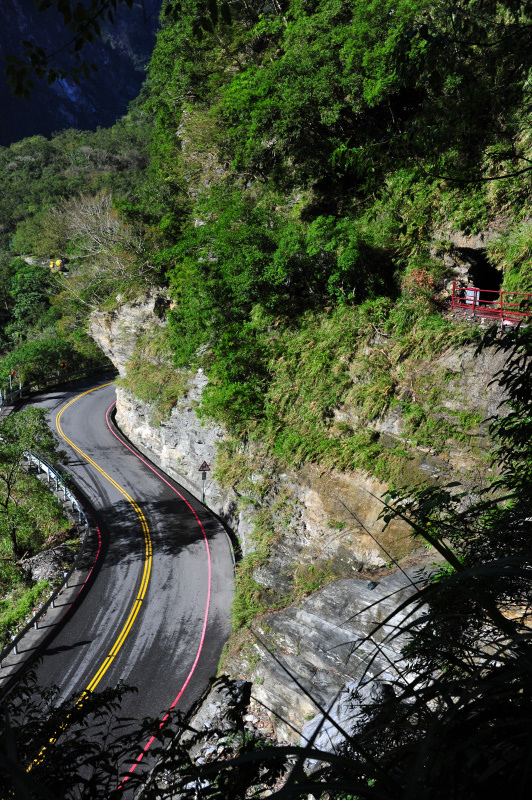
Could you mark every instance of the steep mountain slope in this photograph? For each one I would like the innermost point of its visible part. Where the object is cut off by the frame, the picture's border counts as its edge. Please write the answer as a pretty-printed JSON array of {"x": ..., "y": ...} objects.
[
  {"x": 307, "y": 527},
  {"x": 276, "y": 293}
]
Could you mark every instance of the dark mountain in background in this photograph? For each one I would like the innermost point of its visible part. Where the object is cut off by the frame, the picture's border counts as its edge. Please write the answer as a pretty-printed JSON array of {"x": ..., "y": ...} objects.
[{"x": 121, "y": 55}]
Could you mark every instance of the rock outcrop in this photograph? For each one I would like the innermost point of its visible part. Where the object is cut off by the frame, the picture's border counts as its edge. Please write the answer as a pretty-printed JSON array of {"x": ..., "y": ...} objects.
[
  {"x": 182, "y": 442},
  {"x": 49, "y": 565},
  {"x": 334, "y": 638},
  {"x": 307, "y": 652}
]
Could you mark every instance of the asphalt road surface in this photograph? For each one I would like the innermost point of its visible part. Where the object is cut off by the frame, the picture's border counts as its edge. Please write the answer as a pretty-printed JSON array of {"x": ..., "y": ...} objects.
[{"x": 157, "y": 613}]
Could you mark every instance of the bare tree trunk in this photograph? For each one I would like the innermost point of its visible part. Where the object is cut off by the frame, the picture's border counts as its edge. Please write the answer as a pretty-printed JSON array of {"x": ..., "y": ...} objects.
[{"x": 14, "y": 542}]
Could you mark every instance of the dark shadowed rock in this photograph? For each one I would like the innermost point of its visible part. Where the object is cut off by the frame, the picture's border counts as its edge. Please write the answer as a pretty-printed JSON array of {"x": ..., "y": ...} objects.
[
  {"x": 220, "y": 711},
  {"x": 121, "y": 56},
  {"x": 347, "y": 715}
]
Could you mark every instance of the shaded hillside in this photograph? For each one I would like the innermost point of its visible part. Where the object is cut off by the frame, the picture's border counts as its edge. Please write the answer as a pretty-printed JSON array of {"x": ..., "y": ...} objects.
[{"x": 122, "y": 55}]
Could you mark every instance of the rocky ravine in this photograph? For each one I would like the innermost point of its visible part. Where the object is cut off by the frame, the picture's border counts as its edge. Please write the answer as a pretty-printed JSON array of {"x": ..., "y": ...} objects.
[{"x": 324, "y": 518}]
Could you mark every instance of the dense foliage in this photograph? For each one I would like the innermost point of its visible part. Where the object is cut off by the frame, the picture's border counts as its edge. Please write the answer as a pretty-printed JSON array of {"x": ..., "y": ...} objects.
[
  {"x": 31, "y": 519},
  {"x": 303, "y": 156},
  {"x": 456, "y": 723},
  {"x": 308, "y": 154},
  {"x": 60, "y": 201}
]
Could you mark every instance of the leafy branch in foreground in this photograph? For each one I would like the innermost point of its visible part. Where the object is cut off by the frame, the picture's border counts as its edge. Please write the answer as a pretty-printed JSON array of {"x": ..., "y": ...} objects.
[
  {"x": 456, "y": 721},
  {"x": 87, "y": 760},
  {"x": 83, "y": 25}
]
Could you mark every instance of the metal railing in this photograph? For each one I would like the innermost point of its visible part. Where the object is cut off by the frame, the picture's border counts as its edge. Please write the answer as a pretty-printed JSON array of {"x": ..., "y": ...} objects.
[
  {"x": 11, "y": 396},
  {"x": 509, "y": 307},
  {"x": 59, "y": 485}
]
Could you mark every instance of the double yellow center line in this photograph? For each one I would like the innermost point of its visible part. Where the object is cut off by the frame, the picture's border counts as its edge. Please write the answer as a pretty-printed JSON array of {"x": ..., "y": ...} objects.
[
  {"x": 145, "y": 575},
  {"x": 147, "y": 546}
]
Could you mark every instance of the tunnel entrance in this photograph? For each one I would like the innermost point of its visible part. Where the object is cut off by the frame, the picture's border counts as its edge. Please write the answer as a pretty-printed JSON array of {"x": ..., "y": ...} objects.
[{"x": 481, "y": 273}]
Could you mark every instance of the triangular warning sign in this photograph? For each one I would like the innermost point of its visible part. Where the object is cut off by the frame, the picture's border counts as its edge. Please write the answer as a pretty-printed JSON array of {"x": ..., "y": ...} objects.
[{"x": 204, "y": 467}]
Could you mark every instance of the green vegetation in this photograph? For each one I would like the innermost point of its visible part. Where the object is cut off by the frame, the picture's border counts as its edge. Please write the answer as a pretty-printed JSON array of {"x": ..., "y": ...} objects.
[
  {"x": 67, "y": 199},
  {"x": 513, "y": 254},
  {"x": 151, "y": 375},
  {"x": 303, "y": 270},
  {"x": 251, "y": 598},
  {"x": 318, "y": 149},
  {"x": 310, "y": 578},
  {"x": 20, "y": 604},
  {"x": 465, "y": 701},
  {"x": 31, "y": 519},
  {"x": 307, "y": 162},
  {"x": 283, "y": 176}
]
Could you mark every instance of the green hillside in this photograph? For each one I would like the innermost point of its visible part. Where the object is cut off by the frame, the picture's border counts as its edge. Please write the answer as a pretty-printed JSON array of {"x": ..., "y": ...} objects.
[
  {"x": 302, "y": 179},
  {"x": 306, "y": 165}
]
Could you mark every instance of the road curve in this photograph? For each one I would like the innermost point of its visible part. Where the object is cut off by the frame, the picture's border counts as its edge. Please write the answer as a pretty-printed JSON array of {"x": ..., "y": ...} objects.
[{"x": 157, "y": 614}]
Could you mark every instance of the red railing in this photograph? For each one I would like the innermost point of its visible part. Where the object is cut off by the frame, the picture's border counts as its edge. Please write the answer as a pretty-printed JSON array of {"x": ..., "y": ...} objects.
[{"x": 509, "y": 307}]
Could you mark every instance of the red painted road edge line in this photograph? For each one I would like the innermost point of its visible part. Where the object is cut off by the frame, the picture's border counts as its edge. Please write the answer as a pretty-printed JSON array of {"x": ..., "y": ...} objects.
[{"x": 207, "y": 606}]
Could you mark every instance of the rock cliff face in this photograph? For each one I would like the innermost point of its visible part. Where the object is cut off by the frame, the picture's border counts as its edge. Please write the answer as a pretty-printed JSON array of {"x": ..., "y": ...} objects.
[
  {"x": 332, "y": 515},
  {"x": 318, "y": 518},
  {"x": 309, "y": 651},
  {"x": 182, "y": 442}
]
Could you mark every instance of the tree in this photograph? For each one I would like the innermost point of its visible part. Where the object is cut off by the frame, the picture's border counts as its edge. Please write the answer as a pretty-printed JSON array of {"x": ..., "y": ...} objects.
[
  {"x": 38, "y": 360},
  {"x": 75, "y": 749},
  {"x": 30, "y": 287},
  {"x": 108, "y": 253}
]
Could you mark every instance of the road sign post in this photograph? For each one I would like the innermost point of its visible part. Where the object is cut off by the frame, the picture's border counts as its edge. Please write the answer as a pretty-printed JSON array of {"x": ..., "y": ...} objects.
[{"x": 204, "y": 469}]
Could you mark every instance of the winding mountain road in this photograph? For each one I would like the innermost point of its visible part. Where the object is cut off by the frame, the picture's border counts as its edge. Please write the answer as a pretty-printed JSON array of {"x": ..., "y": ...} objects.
[{"x": 157, "y": 612}]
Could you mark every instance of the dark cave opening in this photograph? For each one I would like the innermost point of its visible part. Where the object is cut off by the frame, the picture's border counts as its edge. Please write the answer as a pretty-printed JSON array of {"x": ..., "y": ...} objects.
[{"x": 482, "y": 274}]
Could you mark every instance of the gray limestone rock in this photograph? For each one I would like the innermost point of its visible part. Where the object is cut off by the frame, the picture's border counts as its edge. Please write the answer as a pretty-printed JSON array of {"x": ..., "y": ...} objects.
[
  {"x": 48, "y": 565},
  {"x": 345, "y": 633},
  {"x": 221, "y": 710},
  {"x": 330, "y": 517},
  {"x": 347, "y": 715},
  {"x": 309, "y": 651}
]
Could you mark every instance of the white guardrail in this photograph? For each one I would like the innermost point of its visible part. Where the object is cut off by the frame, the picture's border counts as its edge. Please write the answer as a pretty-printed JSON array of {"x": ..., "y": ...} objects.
[
  {"x": 54, "y": 477},
  {"x": 58, "y": 485}
]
